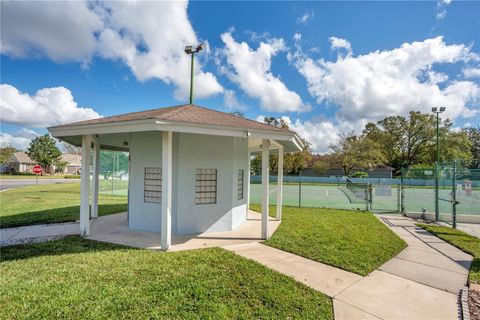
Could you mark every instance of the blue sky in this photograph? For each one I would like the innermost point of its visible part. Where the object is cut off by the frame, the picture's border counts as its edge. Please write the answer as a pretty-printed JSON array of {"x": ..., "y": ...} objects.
[{"x": 330, "y": 67}]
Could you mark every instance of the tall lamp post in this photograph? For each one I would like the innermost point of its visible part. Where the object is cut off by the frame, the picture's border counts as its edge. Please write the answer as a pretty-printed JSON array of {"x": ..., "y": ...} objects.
[
  {"x": 191, "y": 50},
  {"x": 437, "y": 111}
]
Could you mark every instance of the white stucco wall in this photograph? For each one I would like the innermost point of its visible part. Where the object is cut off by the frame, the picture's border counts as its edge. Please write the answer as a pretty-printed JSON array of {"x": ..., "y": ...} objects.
[
  {"x": 240, "y": 161},
  {"x": 145, "y": 151},
  {"x": 190, "y": 151},
  {"x": 203, "y": 151}
]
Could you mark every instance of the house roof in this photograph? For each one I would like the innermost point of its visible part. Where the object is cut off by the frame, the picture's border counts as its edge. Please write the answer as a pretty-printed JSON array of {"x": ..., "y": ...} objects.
[
  {"x": 113, "y": 132},
  {"x": 188, "y": 113},
  {"x": 72, "y": 159},
  {"x": 22, "y": 157}
]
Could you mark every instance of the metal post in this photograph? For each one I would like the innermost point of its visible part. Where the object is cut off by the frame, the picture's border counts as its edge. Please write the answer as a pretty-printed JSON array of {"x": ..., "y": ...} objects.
[
  {"x": 113, "y": 167},
  {"x": 300, "y": 190},
  {"x": 191, "y": 79},
  {"x": 454, "y": 195},
  {"x": 402, "y": 191},
  {"x": 399, "y": 203},
  {"x": 437, "y": 205}
]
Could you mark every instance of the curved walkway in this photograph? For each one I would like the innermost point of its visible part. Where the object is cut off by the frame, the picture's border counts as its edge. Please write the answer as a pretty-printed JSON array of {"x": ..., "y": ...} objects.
[{"x": 422, "y": 282}]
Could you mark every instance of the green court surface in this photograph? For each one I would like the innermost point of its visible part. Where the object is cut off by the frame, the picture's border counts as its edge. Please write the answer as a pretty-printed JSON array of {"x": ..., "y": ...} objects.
[{"x": 383, "y": 199}]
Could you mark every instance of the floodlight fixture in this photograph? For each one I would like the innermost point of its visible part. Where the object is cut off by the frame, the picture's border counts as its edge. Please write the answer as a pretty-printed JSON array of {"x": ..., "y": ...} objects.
[
  {"x": 442, "y": 109},
  {"x": 434, "y": 109},
  {"x": 200, "y": 47},
  {"x": 189, "y": 49},
  {"x": 192, "y": 50}
]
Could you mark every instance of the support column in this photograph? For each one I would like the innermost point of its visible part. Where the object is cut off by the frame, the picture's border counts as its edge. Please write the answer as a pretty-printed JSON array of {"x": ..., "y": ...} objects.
[
  {"x": 280, "y": 183},
  {"x": 96, "y": 171},
  {"x": 85, "y": 186},
  {"x": 265, "y": 191},
  {"x": 166, "y": 229},
  {"x": 248, "y": 180}
]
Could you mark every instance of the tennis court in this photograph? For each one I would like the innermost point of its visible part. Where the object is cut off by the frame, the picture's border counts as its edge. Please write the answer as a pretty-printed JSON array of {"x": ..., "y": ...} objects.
[{"x": 385, "y": 198}]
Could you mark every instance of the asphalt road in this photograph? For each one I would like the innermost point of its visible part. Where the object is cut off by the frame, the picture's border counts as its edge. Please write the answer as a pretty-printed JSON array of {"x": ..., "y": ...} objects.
[{"x": 15, "y": 183}]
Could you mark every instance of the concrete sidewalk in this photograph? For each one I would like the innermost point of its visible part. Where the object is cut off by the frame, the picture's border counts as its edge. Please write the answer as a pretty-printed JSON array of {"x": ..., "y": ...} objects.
[
  {"x": 422, "y": 282},
  {"x": 37, "y": 233}
]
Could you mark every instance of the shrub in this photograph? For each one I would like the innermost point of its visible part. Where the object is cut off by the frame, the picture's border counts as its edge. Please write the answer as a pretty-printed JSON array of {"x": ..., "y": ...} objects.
[
  {"x": 359, "y": 174},
  {"x": 71, "y": 176}
]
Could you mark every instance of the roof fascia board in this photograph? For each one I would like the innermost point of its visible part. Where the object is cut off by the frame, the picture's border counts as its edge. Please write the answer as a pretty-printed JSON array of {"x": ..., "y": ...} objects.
[
  {"x": 104, "y": 128},
  {"x": 183, "y": 128},
  {"x": 153, "y": 125},
  {"x": 227, "y": 130}
]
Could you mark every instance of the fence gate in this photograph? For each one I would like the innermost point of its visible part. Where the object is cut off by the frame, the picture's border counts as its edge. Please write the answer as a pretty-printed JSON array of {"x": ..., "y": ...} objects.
[
  {"x": 458, "y": 198},
  {"x": 385, "y": 197}
]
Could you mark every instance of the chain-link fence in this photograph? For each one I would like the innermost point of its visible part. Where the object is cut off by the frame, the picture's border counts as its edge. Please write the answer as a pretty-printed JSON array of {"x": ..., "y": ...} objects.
[
  {"x": 113, "y": 177},
  {"x": 454, "y": 201},
  {"x": 378, "y": 194},
  {"x": 413, "y": 193}
]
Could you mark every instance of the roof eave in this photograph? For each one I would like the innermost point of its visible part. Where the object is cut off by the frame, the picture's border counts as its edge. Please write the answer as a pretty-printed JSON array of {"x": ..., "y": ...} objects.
[{"x": 160, "y": 125}]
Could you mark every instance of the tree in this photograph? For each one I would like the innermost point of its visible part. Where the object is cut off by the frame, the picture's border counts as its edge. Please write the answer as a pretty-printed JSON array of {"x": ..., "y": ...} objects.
[
  {"x": 68, "y": 148},
  {"x": 405, "y": 141},
  {"x": 321, "y": 163},
  {"x": 44, "y": 151},
  {"x": 6, "y": 154},
  {"x": 113, "y": 161},
  {"x": 60, "y": 165},
  {"x": 473, "y": 135},
  {"x": 356, "y": 151},
  {"x": 294, "y": 162}
]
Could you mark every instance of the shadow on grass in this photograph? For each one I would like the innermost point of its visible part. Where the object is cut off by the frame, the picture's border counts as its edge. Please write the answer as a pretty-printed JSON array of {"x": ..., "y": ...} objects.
[
  {"x": 65, "y": 214},
  {"x": 68, "y": 245}
]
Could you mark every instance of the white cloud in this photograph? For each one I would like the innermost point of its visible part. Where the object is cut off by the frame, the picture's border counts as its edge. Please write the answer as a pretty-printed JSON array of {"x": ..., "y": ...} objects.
[
  {"x": 441, "y": 15},
  {"x": 339, "y": 43},
  {"x": 18, "y": 142},
  {"x": 373, "y": 86},
  {"x": 471, "y": 72},
  {"x": 148, "y": 36},
  {"x": 47, "y": 107},
  {"x": 231, "y": 101},
  {"x": 62, "y": 30},
  {"x": 27, "y": 133},
  {"x": 251, "y": 71},
  {"x": 305, "y": 18},
  {"x": 320, "y": 132},
  {"x": 442, "y": 9}
]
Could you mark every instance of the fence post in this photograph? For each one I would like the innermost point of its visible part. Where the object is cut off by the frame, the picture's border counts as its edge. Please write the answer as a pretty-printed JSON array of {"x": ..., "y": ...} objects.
[
  {"x": 402, "y": 191},
  {"x": 437, "y": 205},
  {"x": 300, "y": 190},
  {"x": 454, "y": 195}
]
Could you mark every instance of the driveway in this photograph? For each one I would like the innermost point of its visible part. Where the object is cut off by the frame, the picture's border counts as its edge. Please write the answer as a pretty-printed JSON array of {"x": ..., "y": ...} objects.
[{"x": 15, "y": 183}]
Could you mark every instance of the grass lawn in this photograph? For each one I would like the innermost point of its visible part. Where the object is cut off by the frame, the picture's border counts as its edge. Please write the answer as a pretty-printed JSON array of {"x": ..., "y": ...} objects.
[
  {"x": 50, "y": 203},
  {"x": 27, "y": 176},
  {"x": 355, "y": 241},
  {"x": 461, "y": 240},
  {"x": 76, "y": 278}
]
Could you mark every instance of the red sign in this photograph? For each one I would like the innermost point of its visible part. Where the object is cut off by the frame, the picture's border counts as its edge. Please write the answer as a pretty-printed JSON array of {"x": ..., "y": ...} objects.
[{"x": 37, "y": 169}]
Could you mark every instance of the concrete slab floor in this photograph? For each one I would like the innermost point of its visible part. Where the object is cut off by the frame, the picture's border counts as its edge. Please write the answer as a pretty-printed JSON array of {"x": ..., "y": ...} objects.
[
  {"x": 434, "y": 277},
  {"x": 388, "y": 296},
  {"x": 113, "y": 228},
  {"x": 319, "y": 276},
  {"x": 344, "y": 311},
  {"x": 10, "y": 235},
  {"x": 433, "y": 259}
]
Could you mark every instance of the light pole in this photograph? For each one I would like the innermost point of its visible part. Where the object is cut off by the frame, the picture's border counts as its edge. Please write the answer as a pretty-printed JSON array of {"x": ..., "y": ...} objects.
[
  {"x": 437, "y": 111},
  {"x": 192, "y": 51}
]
